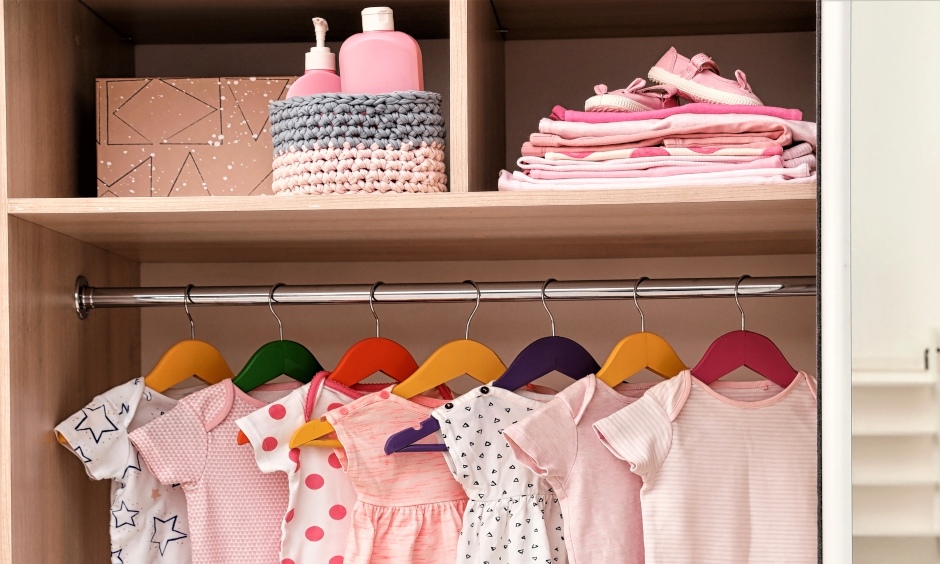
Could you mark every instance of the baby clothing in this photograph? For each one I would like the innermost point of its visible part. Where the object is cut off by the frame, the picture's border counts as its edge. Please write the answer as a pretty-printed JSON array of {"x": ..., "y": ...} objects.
[
  {"x": 148, "y": 519},
  {"x": 730, "y": 467},
  {"x": 513, "y": 515},
  {"x": 409, "y": 507},
  {"x": 598, "y": 493},
  {"x": 316, "y": 525},
  {"x": 235, "y": 510}
]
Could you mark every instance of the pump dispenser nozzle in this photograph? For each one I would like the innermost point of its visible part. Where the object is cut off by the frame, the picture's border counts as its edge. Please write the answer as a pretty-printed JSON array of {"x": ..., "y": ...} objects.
[{"x": 320, "y": 57}]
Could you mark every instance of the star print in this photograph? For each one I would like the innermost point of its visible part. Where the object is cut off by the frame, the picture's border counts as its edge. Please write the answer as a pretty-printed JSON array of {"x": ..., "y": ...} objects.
[
  {"x": 132, "y": 466},
  {"x": 82, "y": 454},
  {"x": 124, "y": 516},
  {"x": 164, "y": 532},
  {"x": 116, "y": 557},
  {"x": 96, "y": 422},
  {"x": 154, "y": 494}
]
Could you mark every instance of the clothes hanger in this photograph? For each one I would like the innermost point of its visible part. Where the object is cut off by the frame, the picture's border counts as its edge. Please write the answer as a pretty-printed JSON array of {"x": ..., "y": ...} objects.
[
  {"x": 541, "y": 357},
  {"x": 188, "y": 358},
  {"x": 640, "y": 351},
  {"x": 375, "y": 354},
  {"x": 744, "y": 348},
  {"x": 277, "y": 358},
  {"x": 454, "y": 359}
]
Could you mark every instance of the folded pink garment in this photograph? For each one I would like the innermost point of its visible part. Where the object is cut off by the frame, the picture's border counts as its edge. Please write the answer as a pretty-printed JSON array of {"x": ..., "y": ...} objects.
[
  {"x": 781, "y": 138},
  {"x": 786, "y": 176},
  {"x": 681, "y": 126},
  {"x": 561, "y": 114},
  {"x": 592, "y": 172},
  {"x": 798, "y": 150},
  {"x": 645, "y": 152},
  {"x": 639, "y": 163},
  {"x": 809, "y": 160}
]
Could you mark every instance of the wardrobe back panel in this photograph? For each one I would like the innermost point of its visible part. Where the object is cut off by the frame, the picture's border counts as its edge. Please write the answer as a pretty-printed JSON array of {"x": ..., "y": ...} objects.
[
  {"x": 690, "y": 325},
  {"x": 58, "y": 363},
  {"x": 54, "y": 51}
]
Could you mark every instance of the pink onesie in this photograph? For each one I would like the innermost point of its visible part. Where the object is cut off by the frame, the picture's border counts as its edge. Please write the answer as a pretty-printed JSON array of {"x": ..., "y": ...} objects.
[
  {"x": 409, "y": 507},
  {"x": 729, "y": 470},
  {"x": 235, "y": 510},
  {"x": 599, "y": 495}
]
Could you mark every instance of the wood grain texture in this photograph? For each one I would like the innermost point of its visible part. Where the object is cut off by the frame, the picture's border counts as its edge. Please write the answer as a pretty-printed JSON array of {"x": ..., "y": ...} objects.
[
  {"x": 486, "y": 96},
  {"x": 260, "y": 21},
  {"x": 58, "y": 363},
  {"x": 563, "y": 19},
  {"x": 59, "y": 47},
  {"x": 6, "y": 436},
  {"x": 458, "y": 122},
  {"x": 471, "y": 226}
]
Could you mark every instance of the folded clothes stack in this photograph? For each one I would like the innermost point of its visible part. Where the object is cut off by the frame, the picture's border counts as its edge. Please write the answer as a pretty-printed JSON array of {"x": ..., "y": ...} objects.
[{"x": 641, "y": 137}]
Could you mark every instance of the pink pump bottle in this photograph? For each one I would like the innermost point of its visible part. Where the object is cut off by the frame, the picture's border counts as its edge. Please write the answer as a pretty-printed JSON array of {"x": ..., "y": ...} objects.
[
  {"x": 380, "y": 60},
  {"x": 320, "y": 76}
]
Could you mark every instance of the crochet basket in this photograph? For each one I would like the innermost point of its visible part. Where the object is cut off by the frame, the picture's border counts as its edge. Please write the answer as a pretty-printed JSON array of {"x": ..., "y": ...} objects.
[{"x": 349, "y": 143}]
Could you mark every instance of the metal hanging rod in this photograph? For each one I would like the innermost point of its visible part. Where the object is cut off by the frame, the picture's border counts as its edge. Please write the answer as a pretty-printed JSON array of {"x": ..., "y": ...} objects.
[{"x": 88, "y": 297}]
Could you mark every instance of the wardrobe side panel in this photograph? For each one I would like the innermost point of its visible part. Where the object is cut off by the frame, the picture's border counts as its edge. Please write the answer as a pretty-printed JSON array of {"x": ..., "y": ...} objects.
[
  {"x": 58, "y": 363},
  {"x": 54, "y": 50},
  {"x": 478, "y": 98},
  {"x": 486, "y": 84}
]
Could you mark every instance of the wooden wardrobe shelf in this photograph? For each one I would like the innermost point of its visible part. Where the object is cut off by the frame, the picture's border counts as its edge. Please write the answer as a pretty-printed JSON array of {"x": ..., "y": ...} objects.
[{"x": 681, "y": 221}]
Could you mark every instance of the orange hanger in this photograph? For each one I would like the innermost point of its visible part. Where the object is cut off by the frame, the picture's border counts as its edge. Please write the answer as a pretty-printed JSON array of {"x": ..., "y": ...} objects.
[
  {"x": 450, "y": 361},
  {"x": 188, "y": 358},
  {"x": 372, "y": 355},
  {"x": 638, "y": 351}
]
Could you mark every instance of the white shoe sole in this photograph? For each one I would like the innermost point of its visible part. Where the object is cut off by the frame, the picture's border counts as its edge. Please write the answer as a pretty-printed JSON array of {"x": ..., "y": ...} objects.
[
  {"x": 612, "y": 103},
  {"x": 699, "y": 93}
]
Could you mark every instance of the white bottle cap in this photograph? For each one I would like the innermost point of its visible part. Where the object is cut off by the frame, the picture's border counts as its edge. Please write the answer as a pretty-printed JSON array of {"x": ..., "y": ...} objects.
[
  {"x": 320, "y": 57},
  {"x": 378, "y": 19}
]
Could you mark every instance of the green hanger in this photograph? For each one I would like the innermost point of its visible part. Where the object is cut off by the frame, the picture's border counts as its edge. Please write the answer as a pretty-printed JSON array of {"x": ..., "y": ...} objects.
[{"x": 277, "y": 358}]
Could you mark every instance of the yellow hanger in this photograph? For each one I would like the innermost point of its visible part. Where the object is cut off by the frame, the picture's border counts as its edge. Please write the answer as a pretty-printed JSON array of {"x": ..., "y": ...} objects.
[
  {"x": 454, "y": 359},
  {"x": 638, "y": 351},
  {"x": 188, "y": 358}
]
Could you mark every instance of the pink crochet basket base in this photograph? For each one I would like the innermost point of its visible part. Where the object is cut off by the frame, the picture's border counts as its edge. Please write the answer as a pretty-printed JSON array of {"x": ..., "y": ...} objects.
[{"x": 359, "y": 169}]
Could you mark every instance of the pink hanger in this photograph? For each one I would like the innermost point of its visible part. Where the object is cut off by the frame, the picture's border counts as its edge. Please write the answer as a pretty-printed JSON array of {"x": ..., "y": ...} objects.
[{"x": 744, "y": 348}]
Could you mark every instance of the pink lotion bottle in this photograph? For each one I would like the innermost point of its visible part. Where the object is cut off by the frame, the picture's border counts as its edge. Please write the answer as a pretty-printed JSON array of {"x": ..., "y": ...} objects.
[
  {"x": 320, "y": 76},
  {"x": 380, "y": 60}
]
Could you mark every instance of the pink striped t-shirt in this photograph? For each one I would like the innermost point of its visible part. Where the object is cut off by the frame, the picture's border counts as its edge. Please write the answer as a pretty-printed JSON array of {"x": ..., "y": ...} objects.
[
  {"x": 234, "y": 509},
  {"x": 729, "y": 470}
]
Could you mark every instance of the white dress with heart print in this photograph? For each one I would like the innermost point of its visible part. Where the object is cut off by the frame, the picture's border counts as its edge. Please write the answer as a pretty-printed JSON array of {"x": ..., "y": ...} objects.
[{"x": 513, "y": 516}]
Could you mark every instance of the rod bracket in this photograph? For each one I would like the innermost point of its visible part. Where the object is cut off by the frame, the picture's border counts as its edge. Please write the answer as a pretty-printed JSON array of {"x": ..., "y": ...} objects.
[{"x": 81, "y": 284}]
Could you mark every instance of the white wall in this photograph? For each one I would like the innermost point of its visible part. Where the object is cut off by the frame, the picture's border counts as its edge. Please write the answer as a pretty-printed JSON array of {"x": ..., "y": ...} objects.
[{"x": 895, "y": 179}]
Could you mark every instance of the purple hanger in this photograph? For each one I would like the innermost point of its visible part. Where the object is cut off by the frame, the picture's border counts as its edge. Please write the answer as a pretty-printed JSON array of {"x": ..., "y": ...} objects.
[{"x": 546, "y": 355}]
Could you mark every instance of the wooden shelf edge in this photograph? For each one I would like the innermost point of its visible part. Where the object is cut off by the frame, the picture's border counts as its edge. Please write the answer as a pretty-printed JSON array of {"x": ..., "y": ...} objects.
[{"x": 25, "y": 207}]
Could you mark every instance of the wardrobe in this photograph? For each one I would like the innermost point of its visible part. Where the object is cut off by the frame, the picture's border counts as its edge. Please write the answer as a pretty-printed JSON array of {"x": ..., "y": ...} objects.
[{"x": 500, "y": 64}]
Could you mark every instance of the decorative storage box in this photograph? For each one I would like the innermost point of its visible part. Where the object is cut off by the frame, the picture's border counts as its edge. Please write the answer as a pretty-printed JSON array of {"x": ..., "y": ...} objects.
[{"x": 186, "y": 136}]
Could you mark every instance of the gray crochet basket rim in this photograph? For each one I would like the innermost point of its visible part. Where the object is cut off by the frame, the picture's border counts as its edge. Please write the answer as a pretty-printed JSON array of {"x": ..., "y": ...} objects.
[
  {"x": 398, "y": 121},
  {"x": 334, "y": 120}
]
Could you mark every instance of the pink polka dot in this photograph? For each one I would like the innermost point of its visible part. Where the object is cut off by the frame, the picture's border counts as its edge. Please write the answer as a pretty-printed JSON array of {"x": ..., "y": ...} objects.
[
  {"x": 336, "y": 560},
  {"x": 277, "y": 411},
  {"x": 290, "y": 516},
  {"x": 337, "y": 512},
  {"x": 333, "y": 406},
  {"x": 287, "y": 561},
  {"x": 294, "y": 455},
  {"x": 334, "y": 461},
  {"x": 269, "y": 444},
  {"x": 314, "y": 534},
  {"x": 314, "y": 481}
]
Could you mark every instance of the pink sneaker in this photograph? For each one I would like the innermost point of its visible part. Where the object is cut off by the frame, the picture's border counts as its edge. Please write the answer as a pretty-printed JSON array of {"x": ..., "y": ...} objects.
[
  {"x": 633, "y": 98},
  {"x": 697, "y": 80}
]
